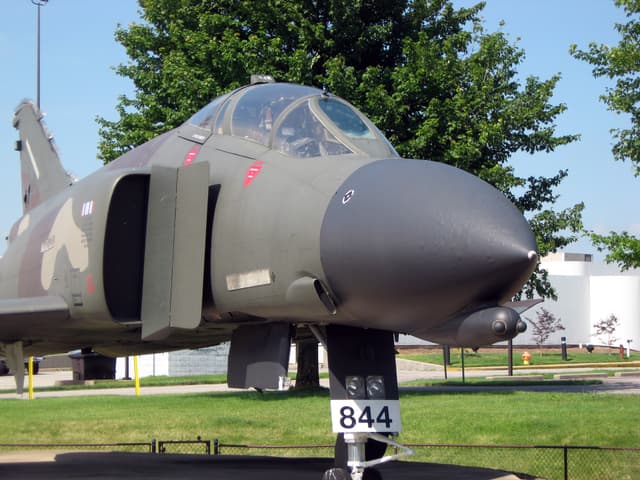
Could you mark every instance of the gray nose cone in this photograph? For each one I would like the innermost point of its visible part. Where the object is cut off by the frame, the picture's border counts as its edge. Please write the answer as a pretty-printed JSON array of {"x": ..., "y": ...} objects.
[{"x": 415, "y": 240}]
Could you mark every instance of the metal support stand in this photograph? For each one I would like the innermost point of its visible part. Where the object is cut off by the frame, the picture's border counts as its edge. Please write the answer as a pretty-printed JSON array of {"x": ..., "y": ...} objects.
[
  {"x": 15, "y": 360},
  {"x": 126, "y": 369},
  {"x": 510, "y": 350},
  {"x": 38, "y": 3},
  {"x": 446, "y": 353}
]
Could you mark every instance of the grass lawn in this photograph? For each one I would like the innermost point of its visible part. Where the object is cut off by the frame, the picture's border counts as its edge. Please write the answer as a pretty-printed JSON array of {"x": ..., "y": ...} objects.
[
  {"x": 294, "y": 418},
  {"x": 303, "y": 418},
  {"x": 500, "y": 358}
]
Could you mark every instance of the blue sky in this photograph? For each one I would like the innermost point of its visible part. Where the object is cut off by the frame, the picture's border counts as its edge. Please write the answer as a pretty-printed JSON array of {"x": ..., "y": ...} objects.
[{"x": 78, "y": 84}]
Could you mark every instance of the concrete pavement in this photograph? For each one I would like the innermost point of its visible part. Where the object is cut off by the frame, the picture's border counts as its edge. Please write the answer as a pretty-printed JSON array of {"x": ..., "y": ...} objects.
[{"x": 407, "y": 371}]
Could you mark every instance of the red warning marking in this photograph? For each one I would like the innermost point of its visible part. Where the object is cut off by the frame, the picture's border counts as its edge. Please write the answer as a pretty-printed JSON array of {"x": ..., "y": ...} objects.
[
  {"x": 252, "y": 172},
  {"x": 90, "y": 286},
  {"x": 191, "y": 156}
]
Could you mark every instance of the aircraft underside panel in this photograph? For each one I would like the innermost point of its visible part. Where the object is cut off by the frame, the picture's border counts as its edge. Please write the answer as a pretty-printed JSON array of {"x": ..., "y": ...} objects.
[{"x": 259, "y": 356}]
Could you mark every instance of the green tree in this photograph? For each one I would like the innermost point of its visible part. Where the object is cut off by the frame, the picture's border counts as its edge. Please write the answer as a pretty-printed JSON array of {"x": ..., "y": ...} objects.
[
  {"x": 606, "y": 329},
  {"x": 544, "y": 326},
  {"x": 622, "y": 64},
  {"x": 622, "y": 248},
  {"x": 186, "y": 52},
  {"x": 429, "y": 75}
]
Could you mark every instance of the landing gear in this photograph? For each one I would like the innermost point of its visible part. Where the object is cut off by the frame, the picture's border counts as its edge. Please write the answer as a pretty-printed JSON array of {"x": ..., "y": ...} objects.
[
  {"x": 372, "y": 450},
  {"x": 365, "y": 408},
  {"x": 15, "y": 360},
  {"x": 359, "y": 457}
]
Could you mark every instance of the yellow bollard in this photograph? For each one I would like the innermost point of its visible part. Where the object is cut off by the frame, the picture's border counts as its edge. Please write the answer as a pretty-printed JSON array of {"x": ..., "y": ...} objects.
[
  {"x": 30, "y": 369},
  {"x": 136, "y": 376}
]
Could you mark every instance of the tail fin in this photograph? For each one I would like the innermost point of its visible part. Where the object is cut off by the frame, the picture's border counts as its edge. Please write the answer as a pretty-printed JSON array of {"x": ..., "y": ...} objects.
[{"x": 42, "y": 173}]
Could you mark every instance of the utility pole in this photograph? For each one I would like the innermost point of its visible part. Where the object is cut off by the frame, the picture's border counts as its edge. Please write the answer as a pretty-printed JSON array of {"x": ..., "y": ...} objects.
[{"x": 38, "y": 4}]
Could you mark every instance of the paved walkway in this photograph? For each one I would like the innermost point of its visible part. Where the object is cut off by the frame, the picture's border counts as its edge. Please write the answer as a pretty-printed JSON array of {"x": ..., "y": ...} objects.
[{"x": 618, "y": 385}]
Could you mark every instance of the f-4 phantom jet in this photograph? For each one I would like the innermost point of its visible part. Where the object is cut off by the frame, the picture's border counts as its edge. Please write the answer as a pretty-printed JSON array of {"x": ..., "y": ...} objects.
[{"x": 276, "y": 209}]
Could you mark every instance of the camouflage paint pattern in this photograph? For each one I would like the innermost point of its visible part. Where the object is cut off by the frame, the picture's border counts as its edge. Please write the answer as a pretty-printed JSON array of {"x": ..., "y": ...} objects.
[{"x": 271, "y": 197}]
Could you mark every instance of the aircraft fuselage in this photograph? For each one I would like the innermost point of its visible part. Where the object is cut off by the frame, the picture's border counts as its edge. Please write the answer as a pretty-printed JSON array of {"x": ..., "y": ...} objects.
[{"x": 329, "y": 228}]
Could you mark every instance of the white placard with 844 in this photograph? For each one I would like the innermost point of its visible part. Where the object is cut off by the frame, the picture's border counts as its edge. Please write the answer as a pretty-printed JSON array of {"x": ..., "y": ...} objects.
[{"x": 359, "y": 416}]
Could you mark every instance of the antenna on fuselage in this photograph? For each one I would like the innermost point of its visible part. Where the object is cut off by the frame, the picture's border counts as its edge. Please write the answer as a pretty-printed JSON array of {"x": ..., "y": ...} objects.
[{"x": 259, "y": 78}]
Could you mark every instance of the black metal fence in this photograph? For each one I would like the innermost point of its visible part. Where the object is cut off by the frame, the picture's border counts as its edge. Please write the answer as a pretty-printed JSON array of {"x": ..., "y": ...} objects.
[
  {"x": 197, "y": 446},
  {"x": 322, "y": 451},
  {"x": 112, "y": 447},
  {"x": 547, "y": 462}
]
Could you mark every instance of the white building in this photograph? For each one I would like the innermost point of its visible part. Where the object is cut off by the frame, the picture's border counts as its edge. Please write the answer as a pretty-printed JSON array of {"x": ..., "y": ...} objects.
[
  {"x": 587, "y": 293},
  {"x": 204, "y": 361}
]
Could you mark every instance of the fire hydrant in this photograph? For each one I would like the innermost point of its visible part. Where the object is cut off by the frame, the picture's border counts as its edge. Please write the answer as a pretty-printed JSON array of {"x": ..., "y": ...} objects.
[{"x": 526, "y": 357}]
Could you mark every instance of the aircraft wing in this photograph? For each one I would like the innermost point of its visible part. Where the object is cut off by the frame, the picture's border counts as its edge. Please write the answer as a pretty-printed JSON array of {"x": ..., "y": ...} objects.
[
  {"x": 20, "y": 315},
  {"x": 523, "y": 305}
]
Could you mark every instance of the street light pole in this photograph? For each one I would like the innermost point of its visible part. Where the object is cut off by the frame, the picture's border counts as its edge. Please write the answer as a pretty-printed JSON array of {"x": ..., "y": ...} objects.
[{"x": 38, "y": 3}]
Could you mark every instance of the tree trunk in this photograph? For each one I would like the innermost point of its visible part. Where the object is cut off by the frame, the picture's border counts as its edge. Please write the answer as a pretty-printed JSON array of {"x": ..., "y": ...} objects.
[{"x": 307, "y": 358}]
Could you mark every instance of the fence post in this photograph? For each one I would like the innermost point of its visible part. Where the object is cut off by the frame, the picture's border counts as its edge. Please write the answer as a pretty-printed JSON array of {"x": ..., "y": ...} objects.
[
  {"x": 566, "y": 462},
  {"x": 216, "y": 446},
  {"x": 153, "y": 445}
]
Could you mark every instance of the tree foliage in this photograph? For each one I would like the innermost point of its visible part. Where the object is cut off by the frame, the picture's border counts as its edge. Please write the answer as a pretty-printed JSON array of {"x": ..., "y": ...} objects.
[
  {"x": 622, "y": 64},
  {"x": 622, "y": 248},
  {"x": 545, "y": 325},
  {"x": 606, "y": 328},
  {"x": 429, "y": 75}
]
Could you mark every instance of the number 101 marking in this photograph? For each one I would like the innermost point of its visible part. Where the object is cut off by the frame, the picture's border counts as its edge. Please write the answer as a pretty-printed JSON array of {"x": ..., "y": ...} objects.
[{"x": 365, "y": 416}]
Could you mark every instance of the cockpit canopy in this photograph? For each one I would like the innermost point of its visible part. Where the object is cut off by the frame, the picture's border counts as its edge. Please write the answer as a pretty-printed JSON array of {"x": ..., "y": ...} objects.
[{"x": 296, "y": 120}]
